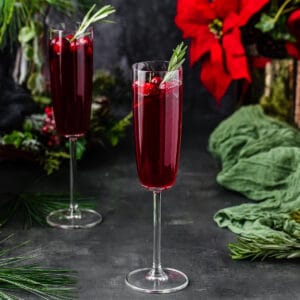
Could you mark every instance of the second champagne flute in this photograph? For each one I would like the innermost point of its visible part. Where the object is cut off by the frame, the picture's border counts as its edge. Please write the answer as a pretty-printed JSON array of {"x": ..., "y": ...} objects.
[{"x": 71, "y": 75}]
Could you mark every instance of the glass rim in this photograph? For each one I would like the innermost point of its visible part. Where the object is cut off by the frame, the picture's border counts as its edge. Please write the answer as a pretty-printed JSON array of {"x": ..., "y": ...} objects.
[
  {"x": 135, "y": 66},
  {"x": 53, "y": 29}
]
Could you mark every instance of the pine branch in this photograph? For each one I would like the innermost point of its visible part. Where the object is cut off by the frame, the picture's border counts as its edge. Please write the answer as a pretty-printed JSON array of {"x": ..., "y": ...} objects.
[
  {"x": 17, "y": 273},
  {"x": 36, "y": 206},
  {"x": 176, "y": 60},
  {"x": 258, "y": 247}
]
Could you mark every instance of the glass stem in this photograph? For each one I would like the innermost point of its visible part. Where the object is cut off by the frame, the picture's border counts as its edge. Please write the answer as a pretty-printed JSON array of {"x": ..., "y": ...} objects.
[
  {"x": 73, "y": 175},
  {"x": 157, "y": 273}
]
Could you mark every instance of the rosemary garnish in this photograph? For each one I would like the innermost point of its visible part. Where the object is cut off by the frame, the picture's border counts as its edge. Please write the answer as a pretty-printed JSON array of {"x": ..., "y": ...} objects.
[
  {"x": 175, "y": 61},
  {"x": 90, "y": 18},
  {"x": 258, "y": 247}
]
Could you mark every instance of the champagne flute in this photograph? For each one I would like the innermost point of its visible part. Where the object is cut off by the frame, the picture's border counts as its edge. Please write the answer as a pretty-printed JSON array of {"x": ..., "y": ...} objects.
[
  {"x": 157, "y": 112},
  {"x": 71, "y": 72}
]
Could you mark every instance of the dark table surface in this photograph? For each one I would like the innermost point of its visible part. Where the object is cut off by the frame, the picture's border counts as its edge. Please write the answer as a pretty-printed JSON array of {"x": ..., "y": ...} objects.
[{"x": 191, "y": 240}]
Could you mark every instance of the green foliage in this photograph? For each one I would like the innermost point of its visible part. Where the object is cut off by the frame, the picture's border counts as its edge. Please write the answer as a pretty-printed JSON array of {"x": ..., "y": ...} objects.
[
  {"x": 90, "y": 18},
  {"x": 114, "y": 85},
  {"x": 278, "y": 100},
  {"x": 19, "y": 274},
  {"x": 103, "y": 83},
  {"x": 52, "y": 160},
  {"x": 274, "y": 21},
  {"x": 257, "y": 247},
  {"x": 20, "y": 140},
  {"x": 34, "y": 207},
  {"x": 117, "y": 131},
  {"x": 80, "y": 147},
  {"x": 176, "y": 60}
]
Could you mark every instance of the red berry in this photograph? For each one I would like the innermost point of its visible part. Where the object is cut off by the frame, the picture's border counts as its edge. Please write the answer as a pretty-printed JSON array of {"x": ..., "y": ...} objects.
[
  {"x": 69, "y": 37},
  {"x": 150, "y": 89},
  {"x": 73, "y": 46},
  {"x": 58, "y": 44},
  {"x": 87, "y": 43},
  {"x": 156, "y": 80},
  {"x": 45, "y": 129},
  {"x": 49, "y": 111}
]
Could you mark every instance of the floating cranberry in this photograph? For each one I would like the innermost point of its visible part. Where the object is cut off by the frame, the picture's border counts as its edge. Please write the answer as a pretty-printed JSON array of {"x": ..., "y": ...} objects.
[
  {"x": 156, "y": 80},
  {"x": 150, "y": 89},
  {"x": 87, "y": 43},
  {"x": 58, "y": 44}
]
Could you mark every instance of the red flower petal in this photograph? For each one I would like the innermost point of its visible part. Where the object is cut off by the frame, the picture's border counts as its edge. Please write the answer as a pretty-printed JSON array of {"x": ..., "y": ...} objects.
[
  {"x": 293, "y": 22},
  {"x": 201, "y": 45},
  {"x": 223, "y": 8},
  {"x": 236, "y": 60},
  {"x": 293, "y": 49},
  {"x": 215, "y": 78},
  {"x": 249, "y": 8}
]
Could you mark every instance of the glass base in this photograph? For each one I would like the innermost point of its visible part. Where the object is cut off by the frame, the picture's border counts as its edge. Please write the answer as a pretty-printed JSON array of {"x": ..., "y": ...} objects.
[
  {"x": 81, "y": 218},
  {"x": 172, "y": 281}
]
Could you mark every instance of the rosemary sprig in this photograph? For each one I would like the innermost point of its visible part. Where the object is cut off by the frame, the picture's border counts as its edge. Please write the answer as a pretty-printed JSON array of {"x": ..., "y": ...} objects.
[
  {"x": 18, "y": 273},
  {"x": 175, "y": 61},
  {"x": 91, "y": 18},
  {"x": 258, "y": 247}
]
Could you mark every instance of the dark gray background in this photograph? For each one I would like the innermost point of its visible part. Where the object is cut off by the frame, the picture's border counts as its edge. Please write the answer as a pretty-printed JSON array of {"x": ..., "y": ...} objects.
[{"x": 145, "y": 30}]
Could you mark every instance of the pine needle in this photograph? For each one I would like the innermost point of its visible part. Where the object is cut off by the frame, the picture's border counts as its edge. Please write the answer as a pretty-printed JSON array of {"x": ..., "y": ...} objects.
[
  {"x": 90, "y": 18},
  {"x": 258, "y": 247},
  {"x": 17, "y": 274},
  {"x": 176, "y": 60},
  {"x": 36, "y": 206}
]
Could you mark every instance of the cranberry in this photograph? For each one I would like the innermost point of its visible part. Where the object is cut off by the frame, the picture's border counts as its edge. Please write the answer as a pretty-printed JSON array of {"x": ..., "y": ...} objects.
[
  {"x": 87, "y": 43},
  {"x": 73, "y": 46},
  {"x": 49, "y": 111},
  {"x": 150, "y": 89},
  {"x": 156, "y": 80},
  {"x": 69, "y": 37},
  {"x": 58, "y": 44}
]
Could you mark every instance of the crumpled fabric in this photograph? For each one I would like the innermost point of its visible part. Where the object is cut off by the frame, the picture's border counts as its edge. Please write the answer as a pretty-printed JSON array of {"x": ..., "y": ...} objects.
[{"x": 260, "y": 158}]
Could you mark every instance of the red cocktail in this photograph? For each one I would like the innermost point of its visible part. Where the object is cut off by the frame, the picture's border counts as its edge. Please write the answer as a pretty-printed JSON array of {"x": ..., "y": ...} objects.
[
  {"x": 71, "y": 75},
  {"x": 157, "y": 110},
  {"x": 71, "y": 71},
  {"x": 157, "y": 114}
]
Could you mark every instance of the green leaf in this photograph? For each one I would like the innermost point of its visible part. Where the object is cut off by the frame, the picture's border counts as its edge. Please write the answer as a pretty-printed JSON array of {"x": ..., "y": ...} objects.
[
  {"x": 42, "y": 100},
  {"x": 80, "y": 148},
  {"x": 26, "y": 34},
  {"x": 52, "y": 160},
  {"x": 118, "y": 130},
  {"x": 266, "y": 23}
]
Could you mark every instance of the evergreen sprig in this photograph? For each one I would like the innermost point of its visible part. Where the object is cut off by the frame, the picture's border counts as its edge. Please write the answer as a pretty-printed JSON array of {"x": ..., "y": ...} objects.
[
  {"x": 91, "y": 18},
  {"x": 36, "y": 206},
  {"x": 19, "y": 274},
  {"x": 176, "y": 60},
  {"x": 258, "y": 247}
]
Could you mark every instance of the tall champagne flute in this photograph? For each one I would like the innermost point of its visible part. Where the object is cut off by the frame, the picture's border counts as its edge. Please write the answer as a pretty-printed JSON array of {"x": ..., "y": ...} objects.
[
  {"x": 157, "y": 111},
  {"x": 71, "y": 72}
]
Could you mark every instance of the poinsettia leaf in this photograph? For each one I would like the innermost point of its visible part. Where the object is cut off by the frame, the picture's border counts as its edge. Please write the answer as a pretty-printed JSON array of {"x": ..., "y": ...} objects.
[{"x": 266, "y": 23}]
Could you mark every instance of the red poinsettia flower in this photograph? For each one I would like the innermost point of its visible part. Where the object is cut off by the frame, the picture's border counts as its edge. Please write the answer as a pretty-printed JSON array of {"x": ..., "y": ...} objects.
[
  {"x": 293, "y": 23},
  {"x": 214, "y": 29}
]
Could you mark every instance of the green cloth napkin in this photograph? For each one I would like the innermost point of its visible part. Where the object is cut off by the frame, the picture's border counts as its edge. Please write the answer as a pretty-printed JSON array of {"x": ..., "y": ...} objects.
[{"x": 260, "y": 158}]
